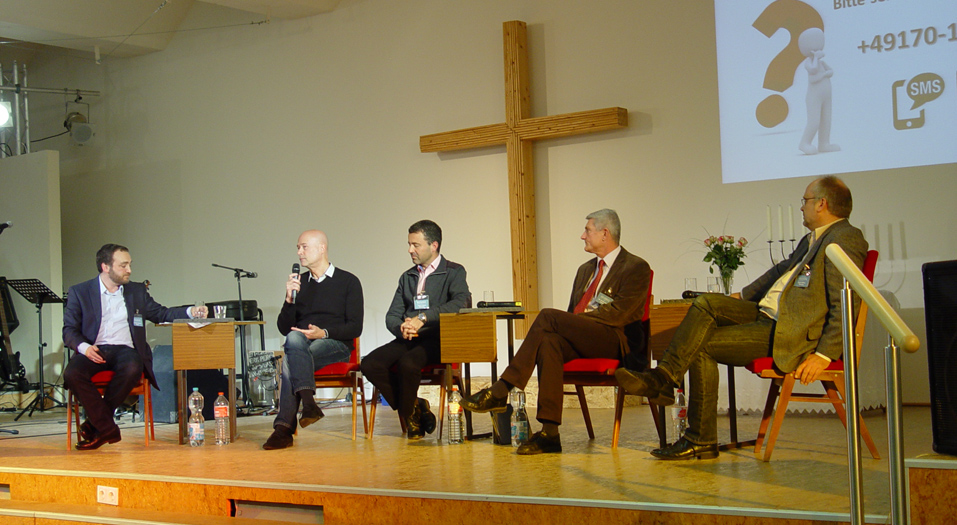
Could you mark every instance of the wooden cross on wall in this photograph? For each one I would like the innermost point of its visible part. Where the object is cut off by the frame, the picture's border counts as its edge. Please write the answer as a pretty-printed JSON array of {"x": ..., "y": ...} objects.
[{"x": 518, "y": 132}]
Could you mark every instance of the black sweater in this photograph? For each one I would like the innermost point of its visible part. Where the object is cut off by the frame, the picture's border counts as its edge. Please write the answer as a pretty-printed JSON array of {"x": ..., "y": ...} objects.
[{"x": 335, "y": 304}]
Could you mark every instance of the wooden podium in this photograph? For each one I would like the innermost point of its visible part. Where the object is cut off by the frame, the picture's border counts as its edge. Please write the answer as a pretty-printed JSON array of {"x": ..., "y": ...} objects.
[{"x": 210, "y": 346}]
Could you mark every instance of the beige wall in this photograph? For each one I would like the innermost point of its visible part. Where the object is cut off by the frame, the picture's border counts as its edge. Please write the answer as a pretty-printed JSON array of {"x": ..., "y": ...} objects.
[
  {"x": 223, "y": 147},
  {"x": 31, "y": 249}
]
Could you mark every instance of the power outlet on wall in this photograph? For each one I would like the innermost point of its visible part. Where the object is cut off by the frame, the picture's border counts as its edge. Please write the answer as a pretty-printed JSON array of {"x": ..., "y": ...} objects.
[{"x": 107, "y": 495}]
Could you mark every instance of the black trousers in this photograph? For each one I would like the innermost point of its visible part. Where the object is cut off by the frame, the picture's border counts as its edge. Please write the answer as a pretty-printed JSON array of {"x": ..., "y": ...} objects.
[
  {"x": 395, "y": 368},
  {"x": 127, "y": 368}
]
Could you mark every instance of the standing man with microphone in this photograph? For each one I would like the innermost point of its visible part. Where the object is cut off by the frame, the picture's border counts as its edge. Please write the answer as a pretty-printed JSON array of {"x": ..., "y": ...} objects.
[{"x": 321, "y": 317}]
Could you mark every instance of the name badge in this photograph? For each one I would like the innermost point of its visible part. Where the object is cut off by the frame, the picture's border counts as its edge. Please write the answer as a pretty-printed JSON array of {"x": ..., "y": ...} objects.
[
  {"x": 138, "y": 321},
  {"x": 803, "y": 279},
  {"x": 421, "y": 302},
  {"x": 601, "y": 299}
]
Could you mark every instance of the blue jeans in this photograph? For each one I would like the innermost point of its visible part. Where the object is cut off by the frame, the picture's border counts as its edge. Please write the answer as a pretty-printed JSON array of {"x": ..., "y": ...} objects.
[
  {"x": 303, "y": 357},
  {"x": 717, "y": 329}
]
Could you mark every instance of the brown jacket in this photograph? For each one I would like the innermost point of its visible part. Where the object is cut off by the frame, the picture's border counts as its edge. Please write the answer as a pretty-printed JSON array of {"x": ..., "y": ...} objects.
[
  {"x": 809, "y": 319},
  {"x": 627, "y": 285}
]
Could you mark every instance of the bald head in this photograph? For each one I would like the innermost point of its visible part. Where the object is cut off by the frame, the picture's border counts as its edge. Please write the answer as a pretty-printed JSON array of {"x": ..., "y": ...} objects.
[{"x": 313, "y": 251}]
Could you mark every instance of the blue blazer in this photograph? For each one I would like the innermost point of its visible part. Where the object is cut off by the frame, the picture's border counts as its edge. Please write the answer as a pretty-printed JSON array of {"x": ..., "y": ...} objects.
[{"x": 83, "y": 312}]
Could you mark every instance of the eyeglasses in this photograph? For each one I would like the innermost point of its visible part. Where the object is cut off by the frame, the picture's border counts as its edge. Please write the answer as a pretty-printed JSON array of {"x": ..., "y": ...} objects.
[{"x": 804, "y": 200}]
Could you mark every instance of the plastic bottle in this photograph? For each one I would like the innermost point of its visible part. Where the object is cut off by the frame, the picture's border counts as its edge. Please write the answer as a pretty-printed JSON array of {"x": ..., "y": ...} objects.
[
  {"x": 679, "y": 414},
  {"x": 197, "y": 425},
  {"x": 221, "y": 411},
  {"x": 456, "y": 419},
  {"x": 520, "y": 429}
]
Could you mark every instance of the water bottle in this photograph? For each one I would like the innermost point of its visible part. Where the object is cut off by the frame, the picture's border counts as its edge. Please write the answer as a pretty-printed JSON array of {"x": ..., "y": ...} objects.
[
  {"x": 520, "y": 429},
  {"x": 221, "y": 410},
  {"x": 679, "y": 414},
  {"x": 197, "y": 430},
  {"x": 456, "y": 418}
]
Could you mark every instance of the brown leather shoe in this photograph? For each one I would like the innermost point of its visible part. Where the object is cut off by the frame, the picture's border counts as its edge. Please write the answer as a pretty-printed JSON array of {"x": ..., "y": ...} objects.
[
  {"x": 484, "y": 401},
  {"x": 541, "y": 443},
  {"x": 310, "y": 414},
  {"x": 278, "y": 439},
  {"x": 651, "y": 384},
  {"x": 684, "y": 449},
  {"x": 111, "y": 436}
]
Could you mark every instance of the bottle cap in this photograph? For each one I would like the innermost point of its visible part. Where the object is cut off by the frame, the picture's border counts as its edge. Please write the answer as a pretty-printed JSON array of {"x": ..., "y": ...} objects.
[{"x": 220, "y": 393}]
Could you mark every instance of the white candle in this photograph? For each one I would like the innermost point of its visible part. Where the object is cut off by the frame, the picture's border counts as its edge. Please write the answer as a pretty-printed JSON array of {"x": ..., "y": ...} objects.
[
  {"x": 791, "y": 220},
  {"x": 780, "y": 223},
  {"x": 769, "y": 223}
]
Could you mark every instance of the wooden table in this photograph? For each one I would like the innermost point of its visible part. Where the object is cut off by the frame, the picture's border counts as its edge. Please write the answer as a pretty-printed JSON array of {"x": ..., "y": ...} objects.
[
  {"x": 210, "y": 346},
  {"x": 665, "y": 319},
  {"x": 471, "y": 336}
]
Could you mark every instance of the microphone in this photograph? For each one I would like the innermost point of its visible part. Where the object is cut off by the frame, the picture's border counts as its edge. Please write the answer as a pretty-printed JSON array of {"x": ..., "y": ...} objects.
[
  {"x": 251, "y": 275},
  {"x": 295, "y": 270},
  {"x": 5, "y": 225}
]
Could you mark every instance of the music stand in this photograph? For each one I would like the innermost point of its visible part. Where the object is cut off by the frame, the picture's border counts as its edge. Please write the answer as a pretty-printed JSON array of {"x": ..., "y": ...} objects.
[{"x": 37, "y": 293}]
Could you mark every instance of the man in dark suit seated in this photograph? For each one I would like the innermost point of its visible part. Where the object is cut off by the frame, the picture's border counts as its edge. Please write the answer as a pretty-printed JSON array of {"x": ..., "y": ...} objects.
[
  {"x": 791, "y": 313},
  {"x": 104, "y": 322},
  {"x": 609, "y": 294},
  {"x": 434, "y": 285}
]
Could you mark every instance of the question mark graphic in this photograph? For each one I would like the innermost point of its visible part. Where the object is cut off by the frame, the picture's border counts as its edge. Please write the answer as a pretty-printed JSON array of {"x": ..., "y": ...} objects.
[{"x": 795, "y": 16}]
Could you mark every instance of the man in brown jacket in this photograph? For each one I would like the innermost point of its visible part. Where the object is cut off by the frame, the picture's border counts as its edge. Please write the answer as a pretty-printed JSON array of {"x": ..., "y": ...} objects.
[
  {"x": 791, "y": 313},
  {"x": 609, "y": 294}
]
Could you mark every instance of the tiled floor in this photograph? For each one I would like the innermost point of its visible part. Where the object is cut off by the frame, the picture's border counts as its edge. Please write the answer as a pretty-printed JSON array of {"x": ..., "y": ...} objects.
[{"x": 808, "y": 471}]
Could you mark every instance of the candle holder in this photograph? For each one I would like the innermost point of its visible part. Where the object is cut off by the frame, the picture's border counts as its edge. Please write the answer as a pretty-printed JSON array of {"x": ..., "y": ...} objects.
[{"x": 771, "y": 251}]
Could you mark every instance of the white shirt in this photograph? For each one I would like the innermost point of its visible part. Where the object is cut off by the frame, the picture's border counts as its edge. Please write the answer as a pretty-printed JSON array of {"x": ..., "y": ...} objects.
[
  {"x": 328, "y": 273},
  {"x": 609, "y": 259},
  {"x": 114, "y": 322}
]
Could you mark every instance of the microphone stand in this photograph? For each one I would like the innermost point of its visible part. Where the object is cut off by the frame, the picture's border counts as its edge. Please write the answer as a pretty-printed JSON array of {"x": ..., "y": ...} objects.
[{"x": 239, "y": 273}]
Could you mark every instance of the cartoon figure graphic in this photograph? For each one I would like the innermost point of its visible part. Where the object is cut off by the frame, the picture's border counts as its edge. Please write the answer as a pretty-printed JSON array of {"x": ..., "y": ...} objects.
[{"x": 811, "y": 44}]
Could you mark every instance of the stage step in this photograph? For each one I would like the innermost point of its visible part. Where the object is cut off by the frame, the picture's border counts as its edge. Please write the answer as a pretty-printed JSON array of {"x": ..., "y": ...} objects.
[{"x": 28, "y": 513}]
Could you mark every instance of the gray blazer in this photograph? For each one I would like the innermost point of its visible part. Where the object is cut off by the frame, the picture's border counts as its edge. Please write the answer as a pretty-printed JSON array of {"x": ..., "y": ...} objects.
[{"x": 809, "y": 319}]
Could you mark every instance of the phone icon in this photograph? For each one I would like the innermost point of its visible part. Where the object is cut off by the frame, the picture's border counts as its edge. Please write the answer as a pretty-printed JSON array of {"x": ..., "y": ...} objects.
[{"x": 910, "y": 119}]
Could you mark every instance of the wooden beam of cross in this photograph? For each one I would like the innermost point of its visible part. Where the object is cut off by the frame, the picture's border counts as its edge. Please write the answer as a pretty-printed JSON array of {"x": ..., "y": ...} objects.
[{"x": 518, "y": 132}]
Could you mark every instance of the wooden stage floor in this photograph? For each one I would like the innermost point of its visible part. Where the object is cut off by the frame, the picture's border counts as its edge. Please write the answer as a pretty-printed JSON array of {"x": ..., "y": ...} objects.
[{"x": 806, "y": 478}]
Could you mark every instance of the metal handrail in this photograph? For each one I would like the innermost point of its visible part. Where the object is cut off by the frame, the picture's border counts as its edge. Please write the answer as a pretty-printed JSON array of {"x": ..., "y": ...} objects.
[
  {"x": 898, "y": 332},
  {"x": 875, "y": 301}
]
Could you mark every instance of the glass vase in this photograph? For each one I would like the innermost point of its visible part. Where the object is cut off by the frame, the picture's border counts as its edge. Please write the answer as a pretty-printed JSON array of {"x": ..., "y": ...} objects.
[{"x": 727, "y": 280}]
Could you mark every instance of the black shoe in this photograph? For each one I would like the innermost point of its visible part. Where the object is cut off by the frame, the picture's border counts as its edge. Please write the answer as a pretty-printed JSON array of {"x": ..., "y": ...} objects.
[
  {"x": 684, "y": 449},
  {"x": 541, "y": 443},
  {"x": 484, "y": 401},
  {"x": 87, "y": 431},
  {"x": 426, "y": 417},
  {"x": 280, "y": 438},
  {"x": 111, "y": 436},
  {"x": 651, "y": 384},
  {"x": 413, "y": 426},
  {"x": 310, "y": 414}
]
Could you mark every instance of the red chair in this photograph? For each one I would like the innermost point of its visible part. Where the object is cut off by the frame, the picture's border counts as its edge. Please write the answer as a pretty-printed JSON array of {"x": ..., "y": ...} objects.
[
  {"x": 346, "y": 375},
  {"x": 832, "y": 379},
  {"x": 432, "y": 375},
  {"x": 101, "y": 380},
  {"x": 601, "y": 372}
]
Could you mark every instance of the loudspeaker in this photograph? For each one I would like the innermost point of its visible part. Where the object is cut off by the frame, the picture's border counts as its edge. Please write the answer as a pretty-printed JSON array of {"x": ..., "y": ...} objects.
[
  {"x": 940, "y": 312},
  {"x": 209, "y": 382}
]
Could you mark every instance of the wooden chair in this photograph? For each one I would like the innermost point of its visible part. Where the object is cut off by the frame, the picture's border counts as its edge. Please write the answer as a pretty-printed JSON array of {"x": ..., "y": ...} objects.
[
  {"x": 832, "y": 379},
  {"x": 346, "y": 375},
  {"x": 101, "y": 380},
  {"x": 432, "y": 375},
  {"x": 601, "y": 372}
]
